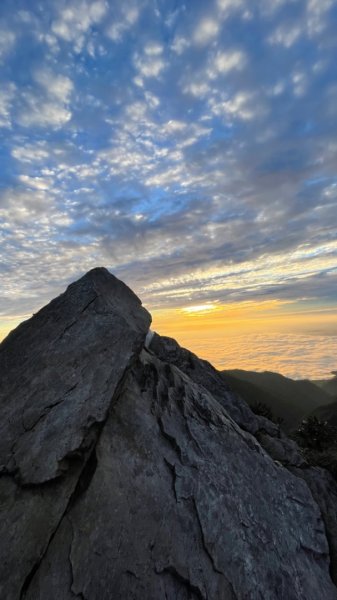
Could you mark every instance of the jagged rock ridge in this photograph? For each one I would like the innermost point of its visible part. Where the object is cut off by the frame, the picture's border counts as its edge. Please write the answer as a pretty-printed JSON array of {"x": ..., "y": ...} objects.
[{"x": 130, "y": 470}]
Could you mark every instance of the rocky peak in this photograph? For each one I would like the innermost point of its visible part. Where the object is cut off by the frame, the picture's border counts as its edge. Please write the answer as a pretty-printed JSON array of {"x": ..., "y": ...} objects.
[
  {"x": 59, "y": 371},
  {"x": 130, "y": 470}
]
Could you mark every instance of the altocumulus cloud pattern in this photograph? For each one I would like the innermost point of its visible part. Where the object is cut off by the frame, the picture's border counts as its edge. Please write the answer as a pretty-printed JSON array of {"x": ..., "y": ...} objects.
[{"x": 188, "y": 146}]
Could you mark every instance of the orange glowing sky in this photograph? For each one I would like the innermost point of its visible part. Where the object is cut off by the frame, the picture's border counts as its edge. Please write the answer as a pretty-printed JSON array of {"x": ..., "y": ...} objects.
[
  {"x": 291, "y": 338},
  {"x": 271, "y": 335}
]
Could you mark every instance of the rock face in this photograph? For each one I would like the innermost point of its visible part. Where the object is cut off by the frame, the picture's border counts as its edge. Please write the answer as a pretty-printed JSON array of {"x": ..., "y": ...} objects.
[{"x": 129, "y": 469}]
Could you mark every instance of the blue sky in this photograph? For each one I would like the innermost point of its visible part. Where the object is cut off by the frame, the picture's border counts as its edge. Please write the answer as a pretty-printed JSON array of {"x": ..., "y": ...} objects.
[{"x": 190, "y": 147}]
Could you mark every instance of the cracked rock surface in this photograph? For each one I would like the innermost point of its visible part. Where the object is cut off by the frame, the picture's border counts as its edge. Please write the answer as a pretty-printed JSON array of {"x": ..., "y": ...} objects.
[{"x": 132, "y": 472}]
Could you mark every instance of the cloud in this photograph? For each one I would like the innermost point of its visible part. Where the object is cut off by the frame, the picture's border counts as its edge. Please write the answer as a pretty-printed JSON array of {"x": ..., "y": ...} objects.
[
  {"x": 75, "y": 19},
  {"x": 7, "y": 42},
  {"x": 224, "y": 62},
  {"x": 56, "y": 86},
  {"x": 206, "y": 31},
  {"x": 43, "y": 113},
  {"x": 174, "y": 126},
  {"x": 24, "y": 206},
  {"x": 300, "y": 83},
  {"x": 229, "y": 5},
  {"x": 31, "y": 153},
  {"x": 285, "y": 36},
  {"x": 7, "y": 94},
  {"x": 153, "y": 49},
  {"x": 242, "y": 106},
  {"x": 52, "y": 107},
  {"x": 196, "y": 88},
  {"x": 296, "y": 354},
  {"x": 150, "y": 64},
  {"x": 127, "y": 19},
  {"x": 317, "y": 15},
  {"x": 38, "y": 183},
  {"x": 180, "y": 44}
]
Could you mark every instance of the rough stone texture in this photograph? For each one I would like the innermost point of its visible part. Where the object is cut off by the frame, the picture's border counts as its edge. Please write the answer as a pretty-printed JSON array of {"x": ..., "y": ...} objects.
[
  {"x": 148, "y": 479},
  {"x": 324, "y": 491},
  {"x": 59, "y": 372},
  {"x": 284, "y": 451},
  {"x": 62, "y": 368},
  {"x": 178, "y": 509},
  {"x": 203, "y": 373},
  {"x": 29, "y": 517}
]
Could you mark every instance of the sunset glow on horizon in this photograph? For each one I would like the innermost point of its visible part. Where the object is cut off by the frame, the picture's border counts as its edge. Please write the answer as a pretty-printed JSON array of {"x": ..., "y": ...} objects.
[
  {"x": 289, "y": 338},
  {"x": 260, "y": 337}
]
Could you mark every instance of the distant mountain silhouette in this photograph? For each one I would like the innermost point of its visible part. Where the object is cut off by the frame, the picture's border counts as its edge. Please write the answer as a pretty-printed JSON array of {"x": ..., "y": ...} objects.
[
  {"x": 328, "y": 385},
  {"x": 327, "y": 412},
  {"x": 288, "y": 399}
]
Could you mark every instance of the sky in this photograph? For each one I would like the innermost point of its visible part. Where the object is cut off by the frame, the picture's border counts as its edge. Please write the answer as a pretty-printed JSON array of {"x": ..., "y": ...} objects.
[{"x": 191, "y": 148}]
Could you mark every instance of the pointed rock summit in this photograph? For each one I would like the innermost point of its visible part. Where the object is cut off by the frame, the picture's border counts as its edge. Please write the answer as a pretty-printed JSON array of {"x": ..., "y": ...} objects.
[{"x": 130, "y": 470}]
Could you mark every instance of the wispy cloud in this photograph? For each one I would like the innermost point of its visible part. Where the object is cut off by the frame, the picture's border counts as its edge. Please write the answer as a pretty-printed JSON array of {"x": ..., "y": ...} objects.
[
  {"x": 47, "y": 106},
  {"x": 206, "y": 31},
  {"x": 75, "y": 20},
  {"x": 7, "y": 94},
  {"x": 7, "y": 41}
]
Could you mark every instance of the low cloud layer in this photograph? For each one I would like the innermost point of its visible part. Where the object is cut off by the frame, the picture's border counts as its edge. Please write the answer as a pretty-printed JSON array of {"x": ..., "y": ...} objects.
[
  {"x": 296, "y": 356},
  {"x": 190, "y": 148}
]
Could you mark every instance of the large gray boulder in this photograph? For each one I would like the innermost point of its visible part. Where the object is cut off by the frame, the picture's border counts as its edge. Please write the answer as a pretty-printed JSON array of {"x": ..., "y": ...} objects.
[
  {"x": 59, "y": 373},
  {"x": 133, "y": 472}
]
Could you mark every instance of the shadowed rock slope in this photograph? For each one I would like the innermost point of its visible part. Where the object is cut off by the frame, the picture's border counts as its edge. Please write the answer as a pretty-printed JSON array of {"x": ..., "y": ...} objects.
[{"x": 130, "y": 470}]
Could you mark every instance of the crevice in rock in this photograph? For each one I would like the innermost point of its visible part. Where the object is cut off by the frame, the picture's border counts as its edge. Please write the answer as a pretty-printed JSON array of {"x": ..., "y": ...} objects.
[
  {"x": 14, "y": 471},
  {"x": 85, "y": 479},
  {"x": 89, "y": 439},
  {"x": 170, "y": 438},
  {"x": 173, "y": 473},
  {"x": 313, "y": 552},
  {"x": 36, "y": 566},
  {"x": 70, "y": 462},
  {"x": 208, "y": 552},
  {"x": 28, "y": 580},
  {"x": 4, "y": 472},
  {"x": 202, "y": 537},
  {"x": 76, "y": 320},
  {"x": 192, "y": 589},
  {"x": 131, "y": 574},
  {"x": 87, "y": 473},
  {"x": 189, "y": 418},
  {"x": 169, "y": 376},
  {"x": 332, "y": 553},
  {"x": 80, "y": 595},
  {"x": 46, "y": 410},
  {"x": 148, "y": 374}
]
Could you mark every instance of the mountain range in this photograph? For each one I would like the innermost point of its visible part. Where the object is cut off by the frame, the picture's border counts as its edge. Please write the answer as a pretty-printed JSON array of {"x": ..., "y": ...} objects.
[
  {"x": 289, "y": 400},
  {"x": 329, "y": 385}
]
